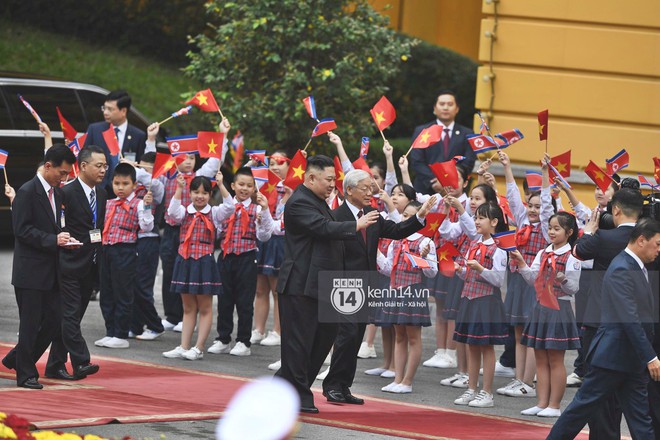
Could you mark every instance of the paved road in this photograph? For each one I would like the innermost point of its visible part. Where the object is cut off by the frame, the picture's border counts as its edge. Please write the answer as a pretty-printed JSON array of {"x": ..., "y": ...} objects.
[{"x": 427, "y": 389}]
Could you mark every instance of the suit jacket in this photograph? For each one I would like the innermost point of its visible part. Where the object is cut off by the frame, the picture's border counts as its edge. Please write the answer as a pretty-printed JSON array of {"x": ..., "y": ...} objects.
[
  {"x": 312, "y": 243},
  {"x": 361, "y": 255},
  {"x": 79, "y": 220},
  {"x": 135, "y": 141},
  {"x": 420, "y": 158},
  {"x": 601, "y": 247},
  {"x": 623, "y": 341},
  {"x": 35, "y": 237}
]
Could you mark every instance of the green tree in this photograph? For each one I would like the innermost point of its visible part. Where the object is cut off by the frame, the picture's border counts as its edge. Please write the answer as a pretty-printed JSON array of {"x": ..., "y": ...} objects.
[{"x": 263, "y": 56}]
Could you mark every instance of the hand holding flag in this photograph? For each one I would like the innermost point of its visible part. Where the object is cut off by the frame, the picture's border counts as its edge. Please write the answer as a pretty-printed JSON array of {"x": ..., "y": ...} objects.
[
  {"x": 433, "y": 221},
  {"x": 446, "y": 255},
  {"x": 505, "y": 240},
  {"x": 562, "y": 163},
  {"x": 446, "y": 173},
  {"x": 324, "y": 126},
  {"x": 384, "y": 114},
  {"x": 205, "y": 101},
  {"x": 427, "y": 137},
  {"x": 543, "y": 127},
  {"x": 600, "y": 178},
  {"x": 296, "y": 174},
  {"x": 210, "y": 143}
]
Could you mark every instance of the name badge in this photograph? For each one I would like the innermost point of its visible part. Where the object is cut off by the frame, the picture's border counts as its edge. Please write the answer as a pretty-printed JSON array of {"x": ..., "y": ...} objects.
[
  {"x": 95, "y": 236},
  {"x": 129, "y": 156}
]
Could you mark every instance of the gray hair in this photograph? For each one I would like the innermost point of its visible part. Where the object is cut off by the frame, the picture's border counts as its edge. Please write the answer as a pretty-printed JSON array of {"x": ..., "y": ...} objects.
[{"x": 352, "y": 178}]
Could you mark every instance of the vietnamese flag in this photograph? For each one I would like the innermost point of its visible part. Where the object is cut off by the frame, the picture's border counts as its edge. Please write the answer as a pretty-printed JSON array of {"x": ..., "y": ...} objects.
[
  {"x": 562, "y": 164},
  {"x": 543, "y": 125},
  {"x": 205, "y": 101},
  {"x": 446, "y": 255},
  {"x": 70, "y": 133},
  {"x": 620, "y": 161},
  {"x": 110, "y": 138},
  {"x": 505, "y": 240},
  {"x": 446, "y": 173},
  {"x": 433, "y": 221},
  {"x": 296, "y": 174},
  {"x": 270, "y": 189},
  {"x": 428, "y": 136},
  {"x": 656, "y": 172},
  {"x": 600, "y": 177},
  {"x": 339, "y": 176},
  {"x": 383, "y": 113},
  {"x": 210, "y": 143},
  {"x": 324, "y": 126},
  {"x": 361, "y": 164},
  {"x": 183, "y": 144},
  {"x": 165, "y": 162}
]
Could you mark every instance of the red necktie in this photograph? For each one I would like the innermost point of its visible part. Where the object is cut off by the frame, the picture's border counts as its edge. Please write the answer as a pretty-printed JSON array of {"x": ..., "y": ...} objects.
[
  {"x": 445, "y": 142},
  {"x": 363, "y": 231},
  {"x": 523, "y": 234},
  {"x": 186, "y": 241},
  {"x": 481, "y": 248},
  {"x": 244, "y": 221},
  {"x": 51, "y": 199},
  {"x": 544, "y": 283}
]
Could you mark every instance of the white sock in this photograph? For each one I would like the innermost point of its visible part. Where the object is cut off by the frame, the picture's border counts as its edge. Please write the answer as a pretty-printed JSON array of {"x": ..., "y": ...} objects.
[{"x": 451, "y": 353}]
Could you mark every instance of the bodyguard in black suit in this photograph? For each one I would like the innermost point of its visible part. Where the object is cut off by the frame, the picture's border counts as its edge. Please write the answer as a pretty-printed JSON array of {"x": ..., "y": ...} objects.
[
  {"x": 602, "y": 246},
  {"x": 313, "y": 243},
  {"x": 84, "y": 213},
  {"x": 453, "y": 143},
  {"x": 36, "y": 217},
  {"x": 360, "y": 256},
  {"x": 621, "y": 354}
]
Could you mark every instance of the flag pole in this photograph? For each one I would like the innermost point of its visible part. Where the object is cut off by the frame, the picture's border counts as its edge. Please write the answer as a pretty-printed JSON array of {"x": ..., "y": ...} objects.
[
  {"x": 4, "y": 169},
  {"x": 546, "y": 144},
  {"x": 307, "y": 145},
  {"x": 408, "y": 152},
  {"x": 382, "y": 134},
  {"x": 165, "y": 120},
  {"x": 220, "y": 111}
]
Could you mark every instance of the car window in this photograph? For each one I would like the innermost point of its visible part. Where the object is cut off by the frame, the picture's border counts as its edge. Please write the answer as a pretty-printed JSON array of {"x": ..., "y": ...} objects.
[
  {"x": 5, "y": 120},
  {"x": 25, "y": 153},
  {"x": 44, "y": 100},
  {"x": 91, "y": 104}
]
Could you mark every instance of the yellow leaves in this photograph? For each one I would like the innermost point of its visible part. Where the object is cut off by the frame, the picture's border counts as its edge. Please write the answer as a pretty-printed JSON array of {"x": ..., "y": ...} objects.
[
  {"x": 404, "y": 58},
  {"x": 6, "y": 432},
  {"x": 370, "y": 60}
]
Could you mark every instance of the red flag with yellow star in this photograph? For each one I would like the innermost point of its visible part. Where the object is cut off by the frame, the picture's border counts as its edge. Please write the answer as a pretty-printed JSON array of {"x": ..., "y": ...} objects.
[
  {"x": 446, "y": 255},
  {"x": 428, "y": 136},
  {"x": 433, "y": 222},
  {"x": 70, "y": 133},
  {"x": 543, "y": 125},
  {"x": 339, "y": 176},
  {"x": 296, "y": 174},
  {"x": 656, "y": 172},
  {"x": 165, "y": 162},
  {"x": 562, "y": 163},
  {"x": 210, "y": 143},
  {"x": 110, "y": 138},
  {"x": 383, "y": 113},
  {"x": 600, "y": 177},
  {"x": 205, "y": 101},
  {"x": 446, "y": 173},
  {"x": 270, "y": 189}
]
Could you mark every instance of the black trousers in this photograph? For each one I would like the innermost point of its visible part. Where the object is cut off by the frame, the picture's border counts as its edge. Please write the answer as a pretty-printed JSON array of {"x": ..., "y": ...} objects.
[
  {"x": 239, "y": 286},
  {"x": 169, "y": 247},
  {"x": 654, "y": 404},
  {"x": 508, "y": 357},
  {"x": 581, "y": 298},
  {"x": 144, "y": 310},
  {"x": 305, "y": 343},
  {"x": 344, "y": 357},
  {"x": 118, "y": 266}
]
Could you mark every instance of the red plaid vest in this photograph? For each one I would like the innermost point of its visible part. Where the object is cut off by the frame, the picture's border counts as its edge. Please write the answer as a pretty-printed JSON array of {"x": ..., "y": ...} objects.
[
  {"x": 529, "y": 241},
  {"x": 121, "y": 221},
  {"x": 243, "y": 232},
  {"x": 475, "y": 286},
  {"x": 170, "y": 189},
  {"x": 383, "y": 244},
  {"x": 378, "y": 204},
  {"x": 140, "y": 191},
  {"x": 403, "y": 273},
  {"x": 197, "y": 235},
  {"x": 559, "y": 266}
]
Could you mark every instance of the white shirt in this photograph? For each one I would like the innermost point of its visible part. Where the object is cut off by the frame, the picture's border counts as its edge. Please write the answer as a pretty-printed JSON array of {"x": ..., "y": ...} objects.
[
  {"x": 639, "y": 261},
  {"x": 445, "y": 133},
  {"x": 573, "y": 270},
  {"x": 497, "y": 274},
  {"x": 121, "y": 134},
  {"x": 385, "y": 264},
  {"x": 47, "y": 188}
]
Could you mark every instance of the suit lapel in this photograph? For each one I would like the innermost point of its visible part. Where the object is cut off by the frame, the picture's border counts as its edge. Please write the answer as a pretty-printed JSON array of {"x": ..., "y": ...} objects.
[
  {"x": 83, "y": 198},
  {"x": 42, "y": 198}
]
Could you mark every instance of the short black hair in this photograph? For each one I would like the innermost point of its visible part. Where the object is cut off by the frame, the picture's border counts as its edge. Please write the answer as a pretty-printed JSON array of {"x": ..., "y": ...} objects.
[
  {"x": 122, "y": 97},
  {"x": 125, "y": 170},
  {"x": 380, "y": 166},
  {"x": 86, "y": 153},
  {"x": 491, "y": 210},
  {"x": 629, "y": 201},
  {"x": 445, "y": 92},
  {"x": 489, "y": 193},
  {"x": 407, "y": 191},
  {"x": 202, "y": 181},
  {"x": 149, "y": 157},
  {"x": 59, "y": 153},
  {"x": 415, "y": 204},
  {"x": 319, "y": 162},
  {"x": 244, "y": 171},
  {"x": 567, "y": 221},
  {"x": 645, "y": 227}
]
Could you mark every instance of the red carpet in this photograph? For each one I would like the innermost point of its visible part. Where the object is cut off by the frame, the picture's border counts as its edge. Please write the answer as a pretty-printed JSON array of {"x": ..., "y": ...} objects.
[{"x": 136, "y": 392}]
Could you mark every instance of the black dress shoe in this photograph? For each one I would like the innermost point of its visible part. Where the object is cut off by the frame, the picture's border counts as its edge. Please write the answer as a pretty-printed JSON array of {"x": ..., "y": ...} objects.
[
  {"x": 335, "y": 396},
  {"x": 8, "y": 364},
  {"x": 32, "y": 384},
  {"x": 61, "y": 374},
  {"x": 352, "y": 399},
  {"x": 309, "y": 409},
  {"x": 82, "y": 371}
]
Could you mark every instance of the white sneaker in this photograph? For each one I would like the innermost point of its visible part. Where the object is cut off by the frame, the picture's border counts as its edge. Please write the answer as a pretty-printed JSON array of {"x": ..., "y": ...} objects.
[
  {"x": 256, "y": 336},
  {"x": 549, "y": 412},
  {"x": 101, "y": 342},
  {"x": 447, "y": 361},
  {"x": 178, "y": 328},
  {"x": 240, "y": 350},
  {"x": 510, "y": 385},
  {"x": 366, "y": 352},
  {"x": 451, "y": 379},
  {"x": 388, "y": 388},
  {"x": 272, "y": 340},
  {"x": 275, "y": 365},
  {"x": 194, "y": 354},
  {"x": 573, "y": 380},
  {"x": 502, "y": 371},
  {"x": 328, "y": 358},
  {"x": 401, "y": 389},
  {"x": 388, "y": 374},
  {"x": 323, "y": 374},
  {"x": 375, "y": 371},
  {"x": 167, "y": 325},
  {"x": 131, "y": 335},
  {"x": 463, "y": 382},
  {"x": 177, "y": 353},
  {"x": 148, "y": 335},
  {"x": 531, "y": 411},
  {"x": 521, "y": 390},
  {"x": 116, "y": 343},
  {"x": 218, "y": 347},
  {"x": 482, "y": 400},
  {"x": 436, "y": 360},
  {"x": 467, "y": 397}
]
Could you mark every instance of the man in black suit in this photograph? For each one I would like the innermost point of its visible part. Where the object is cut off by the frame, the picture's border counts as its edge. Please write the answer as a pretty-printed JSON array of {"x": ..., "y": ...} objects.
[
  {"x": 36, "y": 217},
  {"x": 602, "y": 245},
  {"x": 453, "y": 143},
  {"x": 621, "y": 354},
  {"x": 133, "y": 142},
  {"x": 313, "y": 243},
  {"x": 84, "y": 213},
  {"x": 360, "y": 256}
]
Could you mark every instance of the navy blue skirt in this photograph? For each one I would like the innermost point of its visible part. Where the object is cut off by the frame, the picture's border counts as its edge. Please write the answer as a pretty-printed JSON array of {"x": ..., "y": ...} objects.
[
  {"x": 453, "y": 299},
  {"x": 408, "y": 310},
  {"x": 550, "y": 329},
  {"x": 481, "y": 321},
  {"x": 439, "y": 286},
  {"x": 197, "y": 277},
  {"x": 520, "y": 299},
  {"x": 270, "y": 256}
]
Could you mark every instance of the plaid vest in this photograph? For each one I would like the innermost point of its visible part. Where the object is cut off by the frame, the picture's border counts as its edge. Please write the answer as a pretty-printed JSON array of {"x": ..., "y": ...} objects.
[
  {"x": 140, "y": 191},
  {"x": 243, "y": 232},
  {"x": 170, "y": 189},
  {"x": 475, "y": 286},
  {"x": 383, "y": 244},
  {"x": 403, "y": 273},
  {"x": 560, "y": 266},
  {"x": 529, "y": 241},
  {"x": 121, "y": 221},
  {"x": 378, "y": 204},
  {"x": 197, "y": 235}
]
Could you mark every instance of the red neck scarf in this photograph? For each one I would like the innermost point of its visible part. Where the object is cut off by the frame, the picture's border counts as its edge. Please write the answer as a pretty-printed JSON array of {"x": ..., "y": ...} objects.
[
  {"x": 397, "y": 257},
  {"x": 113, "y": 208},
  {"x": 187, "y": 240},
  {"x": 244, "y": 223}
]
